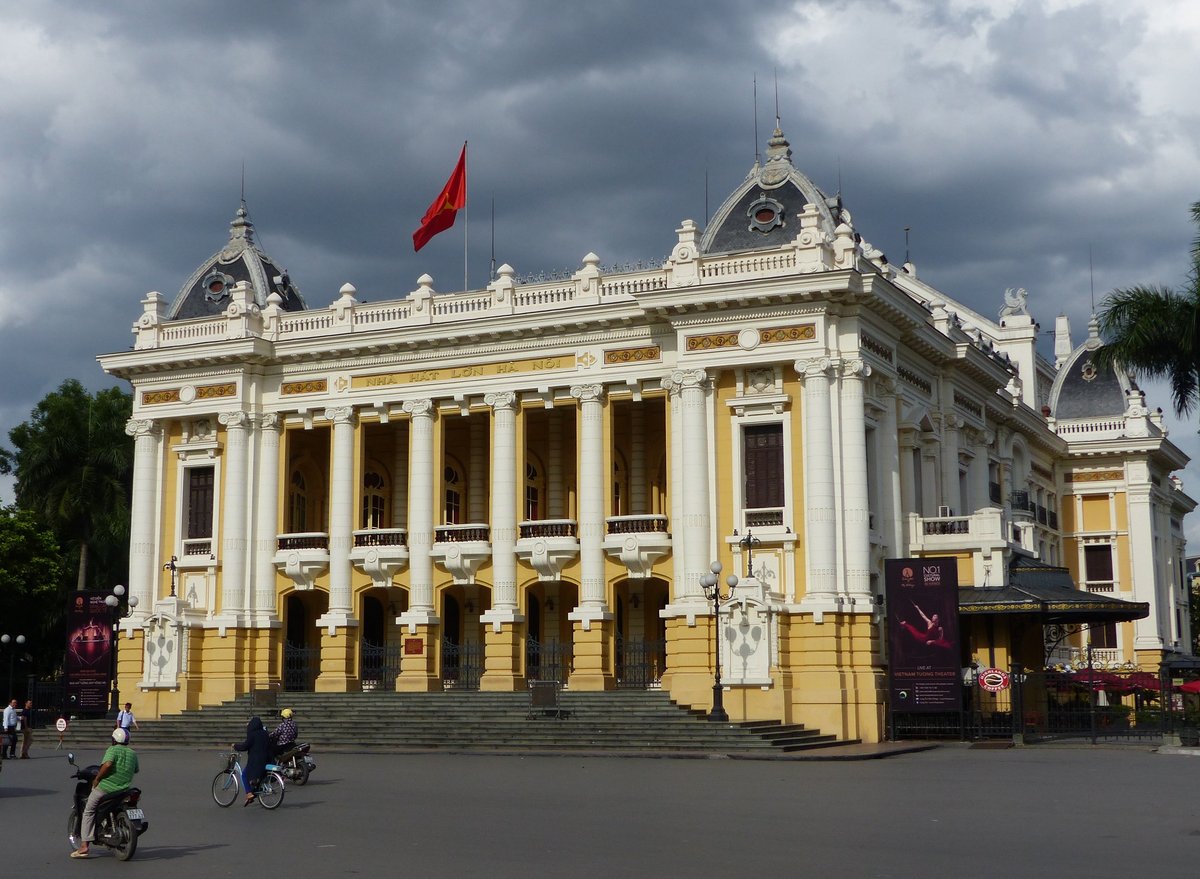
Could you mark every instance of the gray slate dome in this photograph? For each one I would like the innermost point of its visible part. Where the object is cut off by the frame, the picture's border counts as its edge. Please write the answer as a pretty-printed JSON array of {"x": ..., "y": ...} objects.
[
  {"x": 1084, "y": 389},
  {"x": 208, "y": 289},
  {"x": 764, "y": 211}
]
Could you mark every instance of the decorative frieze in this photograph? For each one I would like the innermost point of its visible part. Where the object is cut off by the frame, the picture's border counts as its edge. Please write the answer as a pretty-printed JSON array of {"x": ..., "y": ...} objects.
[
  {"x": 964, "y": 402},
  {"x": 712, "y": 341},
  {"x": 798, "y": 333},
  {"x": 1096, "y": 476},
  {"x": 644, "y": 354},
  {"x": 153, "y": 398},
  {"x": 310, "y": 386},
  {"x": 452, "y": 373},
  {"x": 215, "y": 392}
]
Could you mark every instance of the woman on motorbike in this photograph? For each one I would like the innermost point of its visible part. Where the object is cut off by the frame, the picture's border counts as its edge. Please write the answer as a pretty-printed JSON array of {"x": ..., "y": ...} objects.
[{"x": 258, "y": 754}]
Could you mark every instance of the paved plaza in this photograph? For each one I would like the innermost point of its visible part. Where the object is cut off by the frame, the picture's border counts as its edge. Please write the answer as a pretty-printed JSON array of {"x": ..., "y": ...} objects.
[{"x": 951, "y": 811}]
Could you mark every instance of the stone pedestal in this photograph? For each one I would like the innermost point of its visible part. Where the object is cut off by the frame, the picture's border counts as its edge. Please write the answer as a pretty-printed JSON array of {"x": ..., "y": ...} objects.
[
  {"x": 593, "y": 661},
  {"x": 502, "y": 666},
  {"x": 419, "y": 659},
  {"x": 338, "y": 671}
]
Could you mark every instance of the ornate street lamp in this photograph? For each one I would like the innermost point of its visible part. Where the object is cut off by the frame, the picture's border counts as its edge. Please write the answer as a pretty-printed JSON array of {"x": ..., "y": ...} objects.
[
  {"x": 114, "y": 600},
  {"x": 711, "y": 584},
  {"x": 8, "y": 640}
]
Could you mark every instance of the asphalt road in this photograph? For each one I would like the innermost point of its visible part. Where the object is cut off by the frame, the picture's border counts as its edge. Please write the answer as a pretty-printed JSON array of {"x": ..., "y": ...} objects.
[{"x": 953, "y": 811}]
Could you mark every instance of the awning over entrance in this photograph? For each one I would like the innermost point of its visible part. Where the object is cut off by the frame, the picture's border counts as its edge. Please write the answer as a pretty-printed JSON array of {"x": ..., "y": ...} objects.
[{"x": 1035, "y": 587}]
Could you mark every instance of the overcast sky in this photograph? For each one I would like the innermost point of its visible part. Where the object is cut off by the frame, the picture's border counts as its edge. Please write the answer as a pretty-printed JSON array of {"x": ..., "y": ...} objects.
[{"x": 1014, "y": 137}]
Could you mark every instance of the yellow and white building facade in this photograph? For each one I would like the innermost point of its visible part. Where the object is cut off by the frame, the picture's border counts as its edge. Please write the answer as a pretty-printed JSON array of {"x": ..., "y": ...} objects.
[{"x": 476, "y": 489}]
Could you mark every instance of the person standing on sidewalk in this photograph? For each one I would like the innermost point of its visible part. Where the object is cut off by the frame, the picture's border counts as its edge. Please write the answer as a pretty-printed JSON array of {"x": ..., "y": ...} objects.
[
  {"x": 10, "y": 719},
  {"x": 26, "y": 728}
]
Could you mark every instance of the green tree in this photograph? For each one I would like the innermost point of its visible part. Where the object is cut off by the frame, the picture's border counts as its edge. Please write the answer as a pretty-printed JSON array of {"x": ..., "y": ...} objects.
[
  {"x": 73, "y": 464},
  {"x": 31, "y": 593},
  {"x": 1155, "y": 331}
]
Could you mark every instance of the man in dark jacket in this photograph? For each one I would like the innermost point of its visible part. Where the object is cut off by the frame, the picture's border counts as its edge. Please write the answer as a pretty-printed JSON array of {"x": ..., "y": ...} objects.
[{"x": 258, "y": 754}]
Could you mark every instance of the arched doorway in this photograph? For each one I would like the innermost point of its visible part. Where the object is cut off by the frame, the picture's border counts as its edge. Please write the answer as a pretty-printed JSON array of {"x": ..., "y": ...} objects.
[
  {"x": 641, "y": 648},
  {"x": 462, "y": 661},
  {"x": 302, "y": 640},
  {"x": 548, "y": 647}
]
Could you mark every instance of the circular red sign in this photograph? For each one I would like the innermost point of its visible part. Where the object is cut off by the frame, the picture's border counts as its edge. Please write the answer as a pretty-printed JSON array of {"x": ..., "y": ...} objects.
[
  {"x": 993, "y": 680},
  {"x": 61, "y": 724}
]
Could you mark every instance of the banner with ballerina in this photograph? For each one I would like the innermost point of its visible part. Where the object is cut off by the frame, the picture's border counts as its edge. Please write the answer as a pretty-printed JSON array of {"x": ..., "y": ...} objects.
[
  {"x": 922, "y": 622},
  {"x": 89, "y": 652}
]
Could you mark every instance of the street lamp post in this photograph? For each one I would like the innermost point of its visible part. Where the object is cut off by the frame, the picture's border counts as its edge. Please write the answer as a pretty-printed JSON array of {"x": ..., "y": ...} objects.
[
  {"x": 113, "y": 600},
  {"x": 711, "y": 584},
  {"x": 12, "y": 643}
]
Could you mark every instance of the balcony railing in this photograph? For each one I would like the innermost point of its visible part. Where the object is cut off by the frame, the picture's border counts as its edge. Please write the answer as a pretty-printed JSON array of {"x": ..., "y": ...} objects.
[
  {"x": 948, "y": 525},
  {"x": 381, "y": 537},
  {"x": 764, "y": 517},
  {"x": 198, "y": 546},
  {"x": 460, "y": 534},
  {"x": 1100, "y": 585},
  {"x": 304, "y": 540},
  {"x": 1020, "y": 504},
  {"x": 548, "y": 528},
  {"x": 637, "y": 524}
]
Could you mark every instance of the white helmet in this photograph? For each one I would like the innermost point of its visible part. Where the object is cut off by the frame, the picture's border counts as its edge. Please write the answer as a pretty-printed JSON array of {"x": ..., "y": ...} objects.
[{"x": 120, "y": 736}]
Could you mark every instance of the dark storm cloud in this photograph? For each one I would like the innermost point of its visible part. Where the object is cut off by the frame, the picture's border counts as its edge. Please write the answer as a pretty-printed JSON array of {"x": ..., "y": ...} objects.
[{"x": 1009, "y": 135}]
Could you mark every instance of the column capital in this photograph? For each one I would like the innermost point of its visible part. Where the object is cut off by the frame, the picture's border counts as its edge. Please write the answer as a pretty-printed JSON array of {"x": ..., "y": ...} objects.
[
  {"x": 419, "y": 408},
  {"x": 270, "y": 421},
  {"x": 588, "y": 393},
  {"x": 140, "y": 427},
  {"x": 235, "y": 420},
  {"x": 856, "y": 369},
  {"x": 682, "y": 379},
  {"x": 814, "y": 367},
  {"x": 501, "y": 400},
  {"x": 950, "y": 421},
  {"x": 340, "y": 414}
]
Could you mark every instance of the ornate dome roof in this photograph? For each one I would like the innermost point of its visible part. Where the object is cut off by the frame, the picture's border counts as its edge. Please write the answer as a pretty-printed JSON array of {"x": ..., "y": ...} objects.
[
  {"x": 1084, "y": 389},
  {"x": 764, "y": 210},
  {"x": 208, "y": 288}
]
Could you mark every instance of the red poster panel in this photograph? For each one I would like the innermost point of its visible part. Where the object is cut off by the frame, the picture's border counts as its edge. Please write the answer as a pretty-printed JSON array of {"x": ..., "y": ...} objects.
[
  {"x": 89, "y": 652},
  {"x": 922, "y": 622}
]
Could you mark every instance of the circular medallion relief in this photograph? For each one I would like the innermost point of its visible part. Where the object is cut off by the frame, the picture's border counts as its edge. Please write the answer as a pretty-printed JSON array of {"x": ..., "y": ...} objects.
[
  {"x": 187, "y": 393},
  {"x": 748, "y": 339}
]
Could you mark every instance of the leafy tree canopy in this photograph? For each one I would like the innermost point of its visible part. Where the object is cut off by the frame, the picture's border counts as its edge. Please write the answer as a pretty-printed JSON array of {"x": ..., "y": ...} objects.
[{"x": 31, "y": 593}]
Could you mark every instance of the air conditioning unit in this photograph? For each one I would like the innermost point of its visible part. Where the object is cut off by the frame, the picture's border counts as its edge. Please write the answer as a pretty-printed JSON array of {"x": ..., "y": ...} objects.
[{"x": 945, "y": 512}]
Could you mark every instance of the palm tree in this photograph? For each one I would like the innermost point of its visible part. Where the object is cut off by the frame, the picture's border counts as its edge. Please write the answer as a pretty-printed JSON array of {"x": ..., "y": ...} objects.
[
  {"x": 1155, "y": 331},
  {"x": 73, "y": 465}
]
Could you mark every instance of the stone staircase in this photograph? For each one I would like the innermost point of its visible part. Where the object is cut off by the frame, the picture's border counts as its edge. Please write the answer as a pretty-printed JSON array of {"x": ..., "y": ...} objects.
[{"x": 615, "y": 721}]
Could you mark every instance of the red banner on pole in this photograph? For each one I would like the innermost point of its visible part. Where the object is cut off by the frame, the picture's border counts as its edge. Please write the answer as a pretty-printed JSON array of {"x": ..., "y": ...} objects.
[{"x": 446, "y": 206}]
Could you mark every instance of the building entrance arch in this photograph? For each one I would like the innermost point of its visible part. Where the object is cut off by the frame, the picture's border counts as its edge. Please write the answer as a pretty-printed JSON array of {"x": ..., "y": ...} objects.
[{"x": 302, "y": 639}]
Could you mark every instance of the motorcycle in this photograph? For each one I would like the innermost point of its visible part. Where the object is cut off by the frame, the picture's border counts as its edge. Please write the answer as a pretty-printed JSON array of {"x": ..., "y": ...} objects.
[
  {"x": 119, "y": 820},
  {"x": 295, "y": 764}
]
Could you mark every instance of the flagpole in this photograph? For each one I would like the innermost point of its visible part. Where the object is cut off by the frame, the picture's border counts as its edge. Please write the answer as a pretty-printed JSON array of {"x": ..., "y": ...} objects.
[{"x": 466, "y": 286}]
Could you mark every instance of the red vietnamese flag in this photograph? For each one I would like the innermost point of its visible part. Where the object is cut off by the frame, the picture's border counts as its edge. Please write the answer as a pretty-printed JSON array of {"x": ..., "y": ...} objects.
[{"x": 446, "y": 206}]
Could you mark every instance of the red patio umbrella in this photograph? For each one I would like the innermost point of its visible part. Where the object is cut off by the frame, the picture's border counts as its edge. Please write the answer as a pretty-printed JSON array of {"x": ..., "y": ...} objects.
[{"x": 1189, "y": 687}]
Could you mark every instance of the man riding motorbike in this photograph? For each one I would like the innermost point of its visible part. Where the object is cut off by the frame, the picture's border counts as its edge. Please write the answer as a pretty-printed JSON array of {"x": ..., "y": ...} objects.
[{"x": 116, "y": 774}]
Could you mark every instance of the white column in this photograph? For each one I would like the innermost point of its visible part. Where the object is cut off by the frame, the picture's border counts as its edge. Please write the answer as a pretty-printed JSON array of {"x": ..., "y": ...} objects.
[
  {"x": 1147, "y": 634},
  {"x": 143, "y": 542},
  {"x": 693, "y": 519},
  {"x": 477, "y": 487},
  {"x": 678, "y": 538},
  {"x": 856, "y": 503},
  {"x": 592, "y": 485},
  {"x": 819, "y": 503},
  {"x": 267, "y": 518},
  {"x": 399, "y": 477},
  {"x": 233, "y": 514},
  {"x": 504, "y": 508},
  {"x": 890, "y": 465},
  {"x": 637, "y": 460},
  {"x": 555, "y": 508},
  {"x": 341, "y": 517},
  {"x": 981, "y": 490},
  {"x": 908, "y": 475},
  {"x": 420, "y": 514},
  {"x": 949, "y": 455}
]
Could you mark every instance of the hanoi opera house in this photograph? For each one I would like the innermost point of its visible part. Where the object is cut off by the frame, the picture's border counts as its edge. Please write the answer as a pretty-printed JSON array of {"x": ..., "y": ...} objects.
[{"x": 528, "y": 481}]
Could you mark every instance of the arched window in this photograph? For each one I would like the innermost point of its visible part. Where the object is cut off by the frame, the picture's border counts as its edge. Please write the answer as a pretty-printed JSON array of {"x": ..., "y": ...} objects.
[{"x": 374, "y": 500}]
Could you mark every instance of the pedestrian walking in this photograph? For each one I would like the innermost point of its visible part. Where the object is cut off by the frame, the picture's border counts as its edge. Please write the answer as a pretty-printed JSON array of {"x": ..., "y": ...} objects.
[
  {"x": 26, "y": 721},
  {"x": 126, "y": 721}
]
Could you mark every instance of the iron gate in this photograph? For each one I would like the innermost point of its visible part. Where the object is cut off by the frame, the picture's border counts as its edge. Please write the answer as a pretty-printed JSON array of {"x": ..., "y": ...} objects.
[
  {"x": 551, "y": 661},
  {"x": 1090, "y": 704},
  {"x": 301, "y": 665},
  {"x": 640, "y": 664},
  {"x": 462, "y": 665},
  {"x": 380, "y": 666}
]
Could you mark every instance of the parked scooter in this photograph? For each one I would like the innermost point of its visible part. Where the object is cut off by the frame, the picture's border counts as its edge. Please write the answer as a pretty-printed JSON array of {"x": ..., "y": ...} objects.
[
  {"x": 295, "y": 764},
  {"x": 119, "y": 819}
]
